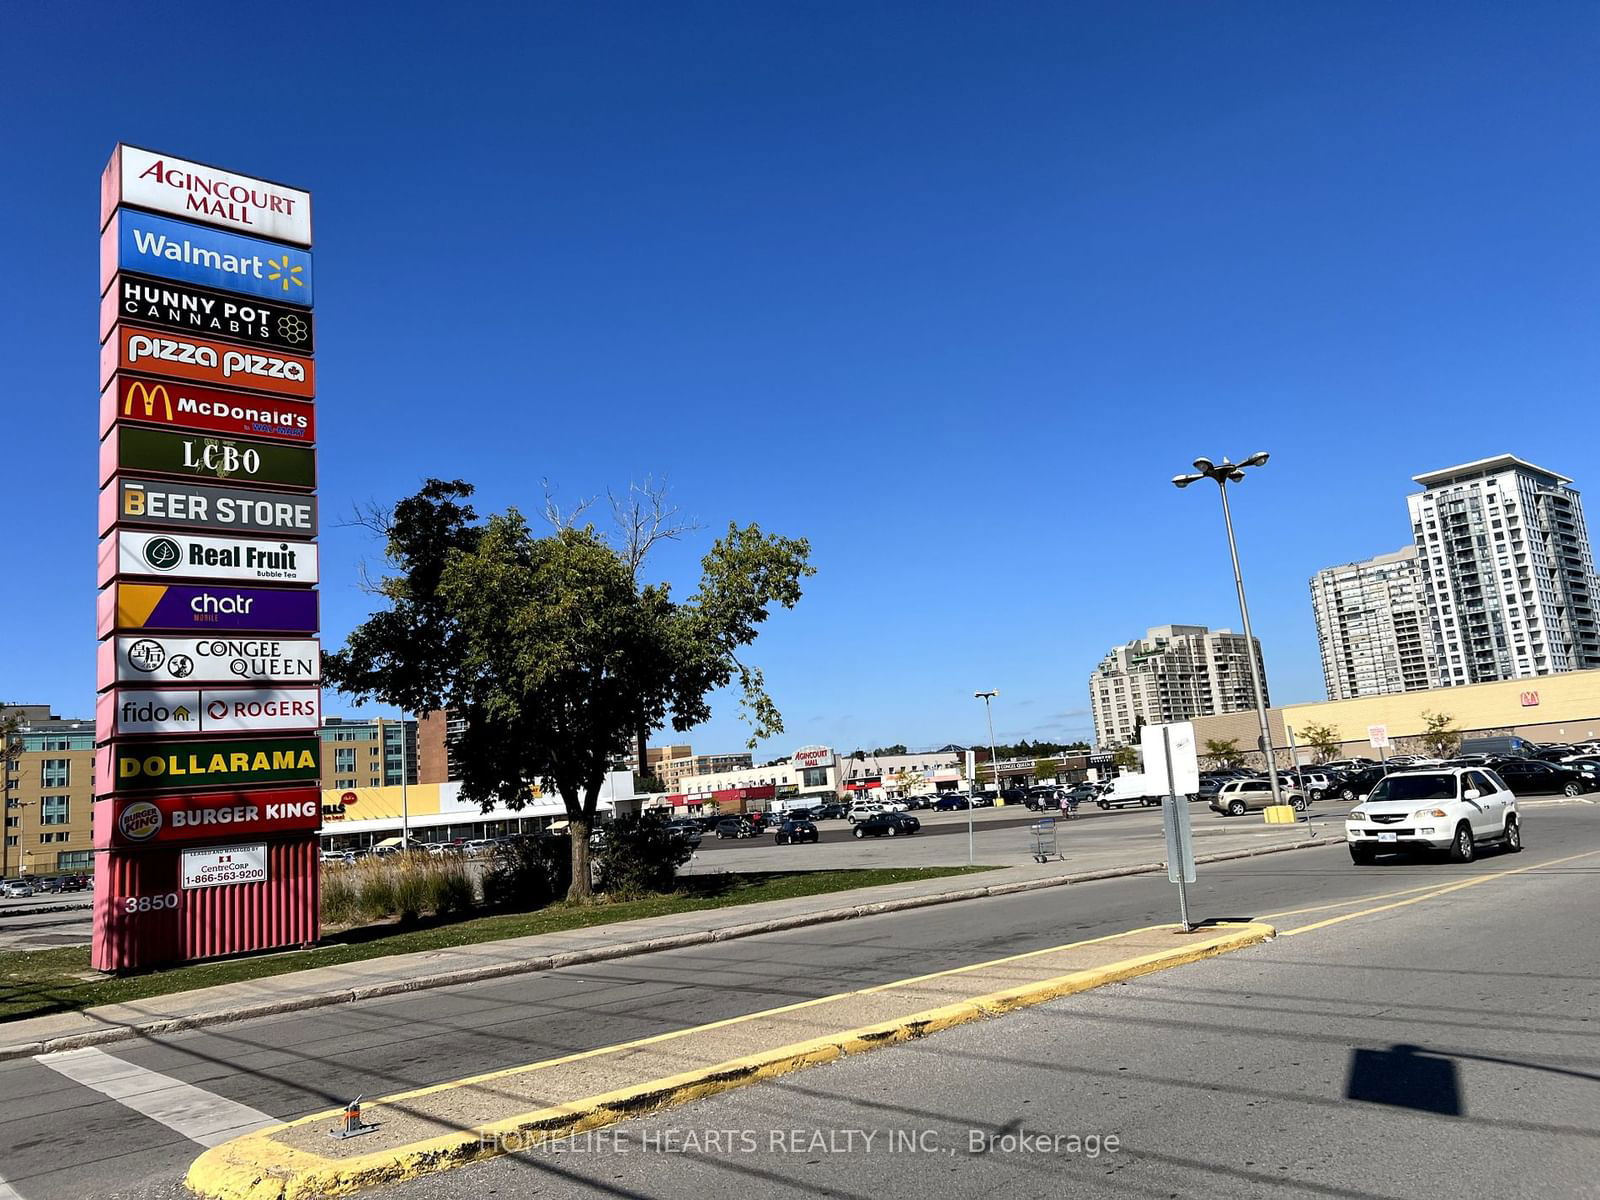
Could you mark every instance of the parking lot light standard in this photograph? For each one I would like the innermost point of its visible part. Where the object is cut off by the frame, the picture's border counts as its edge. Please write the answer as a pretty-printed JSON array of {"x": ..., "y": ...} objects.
[
  {"x": 994, "y": 767},
  {"x": 1222, "y": 474}
]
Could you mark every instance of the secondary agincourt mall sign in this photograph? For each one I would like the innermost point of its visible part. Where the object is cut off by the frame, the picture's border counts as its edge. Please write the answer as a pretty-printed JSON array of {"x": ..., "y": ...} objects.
[
  {"x": 813, "y": 756},
  {"x": 207, "y": 762}
]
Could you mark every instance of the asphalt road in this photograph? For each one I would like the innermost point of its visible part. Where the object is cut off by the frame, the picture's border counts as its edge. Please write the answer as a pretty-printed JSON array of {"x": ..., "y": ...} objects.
[{"x": 1203, "y": 1086}]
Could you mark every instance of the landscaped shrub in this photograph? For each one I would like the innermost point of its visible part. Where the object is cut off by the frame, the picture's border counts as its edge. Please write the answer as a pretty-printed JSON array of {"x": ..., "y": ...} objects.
[
  {"x": 529, "y": 873},
  {"x": 639, "y": 856},
  {"x": 404, "y": 885}
]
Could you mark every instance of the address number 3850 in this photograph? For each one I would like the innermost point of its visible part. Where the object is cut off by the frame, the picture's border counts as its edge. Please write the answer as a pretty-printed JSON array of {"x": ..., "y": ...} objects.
[{"x": 145, "y": 904}]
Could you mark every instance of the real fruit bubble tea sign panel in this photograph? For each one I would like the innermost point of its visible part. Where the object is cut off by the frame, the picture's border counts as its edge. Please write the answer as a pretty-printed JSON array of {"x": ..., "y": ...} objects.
[{"x": 207, "y": 715}]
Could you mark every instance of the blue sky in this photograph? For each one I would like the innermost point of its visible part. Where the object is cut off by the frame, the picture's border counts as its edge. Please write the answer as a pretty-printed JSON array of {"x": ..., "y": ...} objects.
[{"x": 950, "y": 289}]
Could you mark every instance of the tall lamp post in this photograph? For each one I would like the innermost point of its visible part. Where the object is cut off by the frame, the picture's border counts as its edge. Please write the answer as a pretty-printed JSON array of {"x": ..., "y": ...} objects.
[
  {"x": 994, "y": 763},
  {"x": 1222, "y": 474}
]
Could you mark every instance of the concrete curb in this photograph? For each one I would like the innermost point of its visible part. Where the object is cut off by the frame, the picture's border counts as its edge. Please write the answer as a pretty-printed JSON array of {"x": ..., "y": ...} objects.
[
  {"x": 255, "y": 1167},
  {"x": 201, "y": 1020},
  {"x": 46, "y": 908}
]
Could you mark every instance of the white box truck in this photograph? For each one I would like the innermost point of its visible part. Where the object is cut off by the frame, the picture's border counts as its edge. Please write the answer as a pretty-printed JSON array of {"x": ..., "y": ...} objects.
[{"x": 1132, "y": 788}]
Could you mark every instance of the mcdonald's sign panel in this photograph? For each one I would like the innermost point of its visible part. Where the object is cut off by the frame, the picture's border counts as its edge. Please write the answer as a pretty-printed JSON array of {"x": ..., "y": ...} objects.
[
  {"x": 203, "y": 608},
  {"x": 201, "y": 456},
  {"x": 179, "y": 356},
  {"x": 183, "y": 308},
  {"x": 152, "y": 502},
  {"x": 190, "y": 406}
]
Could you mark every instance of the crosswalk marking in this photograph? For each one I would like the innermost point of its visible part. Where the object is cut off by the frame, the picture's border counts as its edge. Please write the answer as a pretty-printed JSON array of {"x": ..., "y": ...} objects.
[{"x": 197, "y": 1114}]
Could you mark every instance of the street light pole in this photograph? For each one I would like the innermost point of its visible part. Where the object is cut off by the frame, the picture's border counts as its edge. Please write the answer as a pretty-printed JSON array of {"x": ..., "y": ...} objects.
[
  {"x": 1221, "y": 474},
  {"x": 994, "y": 763}
]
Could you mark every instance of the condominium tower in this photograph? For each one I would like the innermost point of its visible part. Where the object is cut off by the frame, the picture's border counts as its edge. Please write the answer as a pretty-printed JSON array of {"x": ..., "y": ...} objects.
[
  {"x": 1509, "y": 576},
  {"x": 1373, "y": 627},
  {"x": 1173, "y": 673}
]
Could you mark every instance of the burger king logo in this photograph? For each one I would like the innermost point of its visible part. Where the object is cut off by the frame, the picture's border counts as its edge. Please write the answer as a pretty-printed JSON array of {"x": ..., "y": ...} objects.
[{"x": 140, "y": 821}]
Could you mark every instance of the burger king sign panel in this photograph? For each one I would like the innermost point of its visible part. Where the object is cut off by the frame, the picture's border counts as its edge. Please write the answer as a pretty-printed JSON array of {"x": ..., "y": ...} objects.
[{"x": 165, "y": 820}]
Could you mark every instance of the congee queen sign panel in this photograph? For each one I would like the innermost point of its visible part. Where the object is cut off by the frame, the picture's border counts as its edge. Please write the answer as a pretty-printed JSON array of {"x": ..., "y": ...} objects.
[{"x": 209, "y": 704}]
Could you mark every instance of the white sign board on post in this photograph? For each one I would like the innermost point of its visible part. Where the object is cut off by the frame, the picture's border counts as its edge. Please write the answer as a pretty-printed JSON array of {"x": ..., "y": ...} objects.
[
  {"x": 1175, "y": 751},
  {"x": 1378, "y": 735},
  {"x": 218, "y": 866}
]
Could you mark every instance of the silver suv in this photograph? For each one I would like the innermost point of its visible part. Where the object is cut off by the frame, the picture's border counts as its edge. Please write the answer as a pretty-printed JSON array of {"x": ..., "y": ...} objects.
[
  {"x": 1239, "y": 796},
  {"x": 1446, "y": 808}
]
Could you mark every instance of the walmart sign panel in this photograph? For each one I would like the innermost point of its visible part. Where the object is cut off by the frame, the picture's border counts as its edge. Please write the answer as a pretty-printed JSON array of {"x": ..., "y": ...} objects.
[{"x": 168, "y": 249}]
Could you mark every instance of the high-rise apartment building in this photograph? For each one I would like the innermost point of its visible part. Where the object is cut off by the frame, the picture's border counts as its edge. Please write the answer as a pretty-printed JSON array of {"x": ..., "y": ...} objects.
[
  {"x": 1509, "y": 575},
  {"x": 1373, "y": 626},
  {"x": 1173, "y": 673},
  {"x": 378, "y": 753},
  {"x": 49, "y": 790}
]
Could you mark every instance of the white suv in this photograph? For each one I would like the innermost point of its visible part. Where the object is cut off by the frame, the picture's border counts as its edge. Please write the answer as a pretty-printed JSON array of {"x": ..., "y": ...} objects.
[{"x": 1446, "y": 808}]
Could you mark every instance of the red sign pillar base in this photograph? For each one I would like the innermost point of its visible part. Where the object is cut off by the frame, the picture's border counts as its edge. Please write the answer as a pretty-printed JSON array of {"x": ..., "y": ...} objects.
[{"x": 144, "y": 917}]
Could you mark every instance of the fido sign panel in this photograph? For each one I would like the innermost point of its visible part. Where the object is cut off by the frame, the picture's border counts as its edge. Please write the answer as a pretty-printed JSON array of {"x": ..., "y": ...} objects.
[{"x": 208, "y": 758}]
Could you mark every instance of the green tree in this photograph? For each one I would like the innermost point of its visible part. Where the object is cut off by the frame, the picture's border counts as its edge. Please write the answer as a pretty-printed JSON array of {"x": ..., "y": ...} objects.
[
  {"x": 1224, "y": 752},
  {"x": 1323, "y": 741},
  {"x": 897, "y": 748},
  {"x": 1125, "y": 758},
  {"x": 907, "y": 782},
  {"x": 1044, "y": 770},
  {"x": 550, "y": 648},
  {"x": 1440, "y": 738}
]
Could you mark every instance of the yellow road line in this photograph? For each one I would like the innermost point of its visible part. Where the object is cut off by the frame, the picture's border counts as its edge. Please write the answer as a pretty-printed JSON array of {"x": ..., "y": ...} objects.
[{"x": 1434, "y": 894}]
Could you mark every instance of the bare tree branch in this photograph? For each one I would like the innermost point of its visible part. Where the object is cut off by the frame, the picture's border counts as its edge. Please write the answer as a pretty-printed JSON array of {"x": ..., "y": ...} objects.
[
  {"x": 643, "y": 517},
  {"x": 557, "y": 519},
  {"x": 371, "y": 516}
]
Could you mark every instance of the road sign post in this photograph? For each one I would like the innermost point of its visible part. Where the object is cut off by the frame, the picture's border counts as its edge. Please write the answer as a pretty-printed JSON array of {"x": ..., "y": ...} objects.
[{"x": 1173, "y": 745}]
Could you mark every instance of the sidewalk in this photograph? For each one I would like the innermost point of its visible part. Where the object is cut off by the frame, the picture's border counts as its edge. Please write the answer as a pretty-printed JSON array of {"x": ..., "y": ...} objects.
[{"x": 395, "y": 974}]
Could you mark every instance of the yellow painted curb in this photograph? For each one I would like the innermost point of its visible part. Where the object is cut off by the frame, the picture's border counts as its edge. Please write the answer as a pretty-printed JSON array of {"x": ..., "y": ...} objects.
[{"x": 255, "y": 1167}]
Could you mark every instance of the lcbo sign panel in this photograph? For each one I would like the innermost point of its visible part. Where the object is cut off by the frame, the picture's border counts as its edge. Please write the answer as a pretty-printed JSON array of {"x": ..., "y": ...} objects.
[
  {"x": 175, "y": 452},
  {"x": 202, "y": 193},
  {"x": 184, "y": 308},
  {"x": 196, "y": 608},
  {"x": 175, "y": 404},
  {"x": 229, "y": 262},
  {"x": 154, "y": 659},
  {"x": 191, "y": 556}
]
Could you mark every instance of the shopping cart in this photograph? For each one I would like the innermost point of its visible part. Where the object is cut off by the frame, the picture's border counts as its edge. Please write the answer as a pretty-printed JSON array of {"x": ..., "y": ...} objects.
[{"x": 1043, "y": 835}]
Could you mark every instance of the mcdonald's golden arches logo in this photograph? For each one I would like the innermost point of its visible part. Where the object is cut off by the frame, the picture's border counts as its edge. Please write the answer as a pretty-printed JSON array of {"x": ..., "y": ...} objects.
[{"x": 149, "y": 395}]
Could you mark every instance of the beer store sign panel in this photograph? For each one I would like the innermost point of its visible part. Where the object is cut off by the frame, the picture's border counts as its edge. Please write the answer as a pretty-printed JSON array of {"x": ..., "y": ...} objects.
[
  {"x": 213, "y": 710},
  {"x": 196, "y": 608},
  {"x": 179, "y": 356},
  {"x": 185, "y": 253},
  {"x": 150, "y": 659},
  {"x": 218, "y": 866},
  {"x": 195, "y": 506},
  {"x": 134, "y": 448},
  {"x": 167, "y": 765},
  {"x": 164, "y": 819},
  {"x": 183, "y": 308},
  {"x": 193, "y": 556},
  {"x": 201, "y": 193},
  {"x": 189, "y": 406}
]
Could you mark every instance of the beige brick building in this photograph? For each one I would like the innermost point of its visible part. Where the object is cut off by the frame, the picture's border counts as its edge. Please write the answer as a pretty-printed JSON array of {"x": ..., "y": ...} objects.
[{"x": 49, "y": 790}]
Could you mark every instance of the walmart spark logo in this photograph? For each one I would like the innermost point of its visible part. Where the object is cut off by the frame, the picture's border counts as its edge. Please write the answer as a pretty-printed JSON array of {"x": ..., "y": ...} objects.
[{"x": 283, "y": 274}]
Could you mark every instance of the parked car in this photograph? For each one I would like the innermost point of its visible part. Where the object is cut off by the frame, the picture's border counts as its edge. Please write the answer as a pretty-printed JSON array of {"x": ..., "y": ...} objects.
[
  {"x": 860, "y": 812},
  {"x": 1452, "y": 808},
  {"x": 791, "y": 832},
  {"x": 952, "y": 801},
  {"x": 687, "y": 829},
  {"x": 74, "y": 883},
  {"x": 797, "y": 814},
  {"x": 982, "y": 799},
  {"x": 1040, "y": 798},
  {"x": 829, "y": 812},
  {"x": 735, "y": 827},
  {"x": 344, "y": 857},
  {"x": 1529, "y": 776},
  {"x": 1351, "y": 785},
  {"x": 1133, "y": 788},
  {"x": 887, "y": 824},
  {"x": 1240, "y": 796},
  {"x": 1315, "y": 784},
  {"x": 1014, "y": 795},
  {"x": 16, "y": 889}
]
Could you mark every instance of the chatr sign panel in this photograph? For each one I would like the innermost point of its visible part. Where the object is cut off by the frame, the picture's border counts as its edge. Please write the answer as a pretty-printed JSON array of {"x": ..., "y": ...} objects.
[
  {"x": 178, "y": 405},
  {"x": 204, "y": 193},
  {"x": 168, "y": 249},
  {"x": 180, "y": 356},
  {"x": 198, "y": 608}
]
